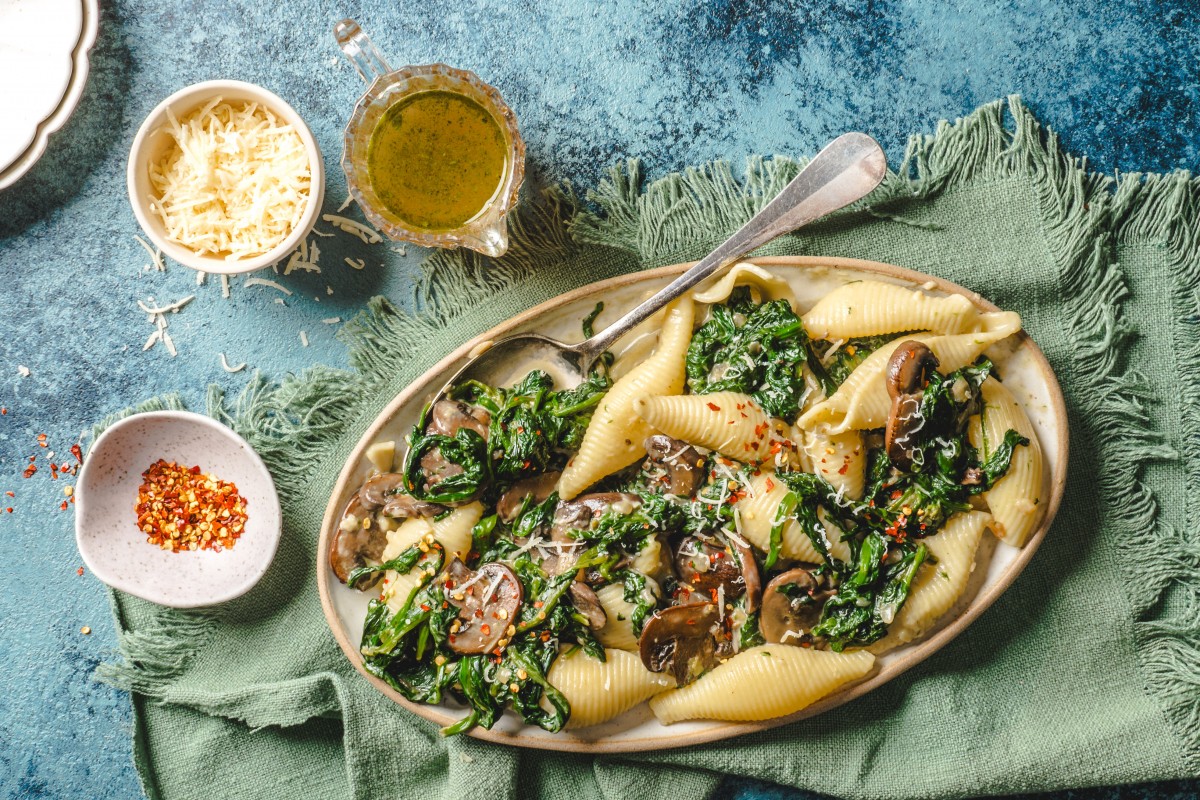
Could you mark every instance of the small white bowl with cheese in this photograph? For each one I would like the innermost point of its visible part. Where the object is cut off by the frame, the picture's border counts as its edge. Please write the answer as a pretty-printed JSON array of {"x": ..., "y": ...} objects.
[{"x": 225, "y": 177}]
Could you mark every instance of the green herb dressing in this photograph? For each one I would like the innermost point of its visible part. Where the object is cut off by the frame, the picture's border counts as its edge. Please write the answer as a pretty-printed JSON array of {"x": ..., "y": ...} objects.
[{"x": 436, "y": 160}]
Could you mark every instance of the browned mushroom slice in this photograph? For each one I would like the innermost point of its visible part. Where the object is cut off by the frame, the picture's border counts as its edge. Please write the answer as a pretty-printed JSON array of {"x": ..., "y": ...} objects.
[
  {"x": 907, "y": 373},
  {"x": 447, "y": 416},
  {"x": 487, "y": 600},
  {"x": 750, "y": 577},
  {"x": 683, "y": 464},
  {"x": 403, "y": 506},
  {"x": 356, "y": 541},
  {"x": 536, "y": 489},
  {"x": 578, "y": 515},
  {"x": 708, "y": 566},
  {"x": 587, "y": 603},
  {"x": 791, "y": 606},
  {"x": 909, "y": 367},
  {"x": 378, "y": 488},
  {"x": 684, "y": 640}
]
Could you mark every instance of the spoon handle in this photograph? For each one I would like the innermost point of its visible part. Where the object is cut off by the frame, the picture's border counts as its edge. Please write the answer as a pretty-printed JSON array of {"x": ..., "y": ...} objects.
[{"x": 846, "y": 170}]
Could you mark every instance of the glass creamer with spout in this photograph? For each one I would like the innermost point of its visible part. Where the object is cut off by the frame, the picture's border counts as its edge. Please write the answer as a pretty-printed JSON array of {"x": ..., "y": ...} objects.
[{"x": 432, "y": 154}]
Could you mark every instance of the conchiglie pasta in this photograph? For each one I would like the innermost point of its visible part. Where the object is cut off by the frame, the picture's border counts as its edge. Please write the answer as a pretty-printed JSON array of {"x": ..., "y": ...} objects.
[
  {"x": 862, "y": 401},
  {"x": 649, "y": 560},
  {"x": 1015, "y": 500},
  {"x": 940, "y": 581},
  {"x": 729, "y": 422},
  {"x": 756, "y": 512},
  {"x": 452, "y": 531},
  {"x": 618, "y": 632},
  {"x": 839, "y": 458},
  {"x": 762, "y": 683},
  {"x": 614, "y": 437},
  {"x": 600, "y": 690},
  {"x": 871, "y": 308},
  {"x": 763, "y": 285}
]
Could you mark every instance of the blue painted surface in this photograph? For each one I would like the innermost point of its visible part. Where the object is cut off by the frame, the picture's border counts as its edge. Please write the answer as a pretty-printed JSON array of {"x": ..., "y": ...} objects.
[{"x": 669, "y": 81}]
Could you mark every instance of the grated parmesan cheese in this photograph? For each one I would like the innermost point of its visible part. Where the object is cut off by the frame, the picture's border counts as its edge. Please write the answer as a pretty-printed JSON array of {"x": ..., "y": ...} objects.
[
  {"x": 268, "y": 283},
  {"x": 236, "y": 182},
  {"x": 303, "y": 338},
  {"x": 225, "y": 365},
  {"x": 355, "y": 263}
]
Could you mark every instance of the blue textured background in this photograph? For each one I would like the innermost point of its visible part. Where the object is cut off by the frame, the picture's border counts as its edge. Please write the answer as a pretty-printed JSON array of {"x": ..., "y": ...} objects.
[{"x": 669, "y": 81}]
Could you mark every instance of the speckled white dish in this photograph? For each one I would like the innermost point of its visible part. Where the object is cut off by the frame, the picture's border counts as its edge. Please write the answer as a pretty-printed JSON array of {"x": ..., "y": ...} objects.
[{"x": 106, "y": 525}]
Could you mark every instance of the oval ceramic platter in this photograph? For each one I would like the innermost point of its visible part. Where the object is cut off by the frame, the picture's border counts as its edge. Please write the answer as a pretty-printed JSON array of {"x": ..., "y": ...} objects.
[{"x": 1026, "y": 373}]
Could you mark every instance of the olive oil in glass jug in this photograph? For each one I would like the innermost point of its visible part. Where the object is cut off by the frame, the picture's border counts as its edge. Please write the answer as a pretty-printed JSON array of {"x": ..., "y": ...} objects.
[{"x": 432, "y": 154}]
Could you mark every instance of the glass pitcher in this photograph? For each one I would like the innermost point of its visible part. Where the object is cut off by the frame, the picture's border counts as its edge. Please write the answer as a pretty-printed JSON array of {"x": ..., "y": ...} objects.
[{"x": 487, "y": 231}]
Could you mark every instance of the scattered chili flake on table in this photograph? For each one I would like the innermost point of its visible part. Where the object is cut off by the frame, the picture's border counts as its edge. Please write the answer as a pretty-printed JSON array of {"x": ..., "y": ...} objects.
[
  {"x": 181, "y": 508},
  {"x": 79, "y": 571}
]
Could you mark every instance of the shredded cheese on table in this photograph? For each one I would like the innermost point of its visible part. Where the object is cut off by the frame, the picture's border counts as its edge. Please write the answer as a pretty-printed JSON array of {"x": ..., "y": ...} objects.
[{"x": 236, "y": 182}]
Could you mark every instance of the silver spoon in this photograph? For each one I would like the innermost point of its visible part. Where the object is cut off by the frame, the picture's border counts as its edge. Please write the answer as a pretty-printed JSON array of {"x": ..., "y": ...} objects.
[{"x": 846, "y": 170}]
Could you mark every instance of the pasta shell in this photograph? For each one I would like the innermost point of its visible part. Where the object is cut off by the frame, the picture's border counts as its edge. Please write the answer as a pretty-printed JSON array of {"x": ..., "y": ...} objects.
[
  {"x": 862, "y": 401},
  {"x": 839, "y": 458},
  {"x": 614, "y": 437},
  {"x": 1016, "y": 499},
  {"x": 871, "y": 308},
  {"x": 729, "y": 422},
  {"x": 756, "y": 513},
  {"x": 762, "y": 683},
  {"x": 763, "y": 285},
  {"x": 452, "y": 531},
  {"x": 618, "y": 631},
  {"x": 600, "y": 690},
  {"x": 940, "y": 581}
]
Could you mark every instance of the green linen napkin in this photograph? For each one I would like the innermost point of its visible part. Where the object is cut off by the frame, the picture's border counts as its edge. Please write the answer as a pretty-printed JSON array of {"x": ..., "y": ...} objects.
[{"x": 1086, "y": 672}]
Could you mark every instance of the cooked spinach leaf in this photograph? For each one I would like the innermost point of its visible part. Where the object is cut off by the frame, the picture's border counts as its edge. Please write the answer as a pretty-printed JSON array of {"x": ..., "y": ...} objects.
[{"x": 756, "y": 349}]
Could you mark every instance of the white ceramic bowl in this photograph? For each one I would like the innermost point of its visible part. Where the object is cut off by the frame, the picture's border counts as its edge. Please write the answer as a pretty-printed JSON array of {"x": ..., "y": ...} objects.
[
  {"x": 152, "y": 140},
  {"x": 106, "y": 524}
]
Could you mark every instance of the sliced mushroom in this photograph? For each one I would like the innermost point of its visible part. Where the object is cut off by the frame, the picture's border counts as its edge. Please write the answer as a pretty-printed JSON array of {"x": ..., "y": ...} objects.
[
  {"x": 578, "y": 515},
  {"x": 587, "y": 603},
  {"x": 685, "y": 640},
  {"x": 907, "y": 373},
  {"x": 487, "y": 607},
  {"x": 909, "y": 367},
  {"x": 683, "y": 463},
  {"x": 357, "y": 541},
  {"x": 750, "y": 577},
  {"x": 791, "y": 606},
  {"x": 447, "y": 416},
  {"x": 386, "y": 490},
  {"x": 707, "y": 566},
  {"x": 377, "y": 489},
  {"x": 403, "y": 506},
  {"x": 437, "y": 468},
  {"x": 537, "y": 489}
]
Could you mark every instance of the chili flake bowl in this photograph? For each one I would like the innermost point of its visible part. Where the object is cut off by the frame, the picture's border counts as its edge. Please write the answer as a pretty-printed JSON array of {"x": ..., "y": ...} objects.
[{"x": 106, "y": 529}]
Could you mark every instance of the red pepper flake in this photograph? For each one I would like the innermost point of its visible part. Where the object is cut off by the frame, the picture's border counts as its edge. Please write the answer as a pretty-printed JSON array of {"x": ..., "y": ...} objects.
[
  {"x": 64, "y": 505},
  {"x": 770, "y": 485},
  {"x": 537, "y": 603},
  {"x": 77, "y": 451},
  {"x": 896, "y": 494},
  {"x": 9, "y": 509},
  {"x": 842, "y": 470},
  {"x": 178, "y": 508},
  {"x": 3, "y": 412},
  {"x": 53, "y": 471},
  {"x": 30, "y": 470},
  {"x": 485, "y": 629},
  {"x": 426, "y": 607},
  {"x": 11, "y": 494},
  {"x": 713, "y": 406},
  {"x": 79, "y": 571}
]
